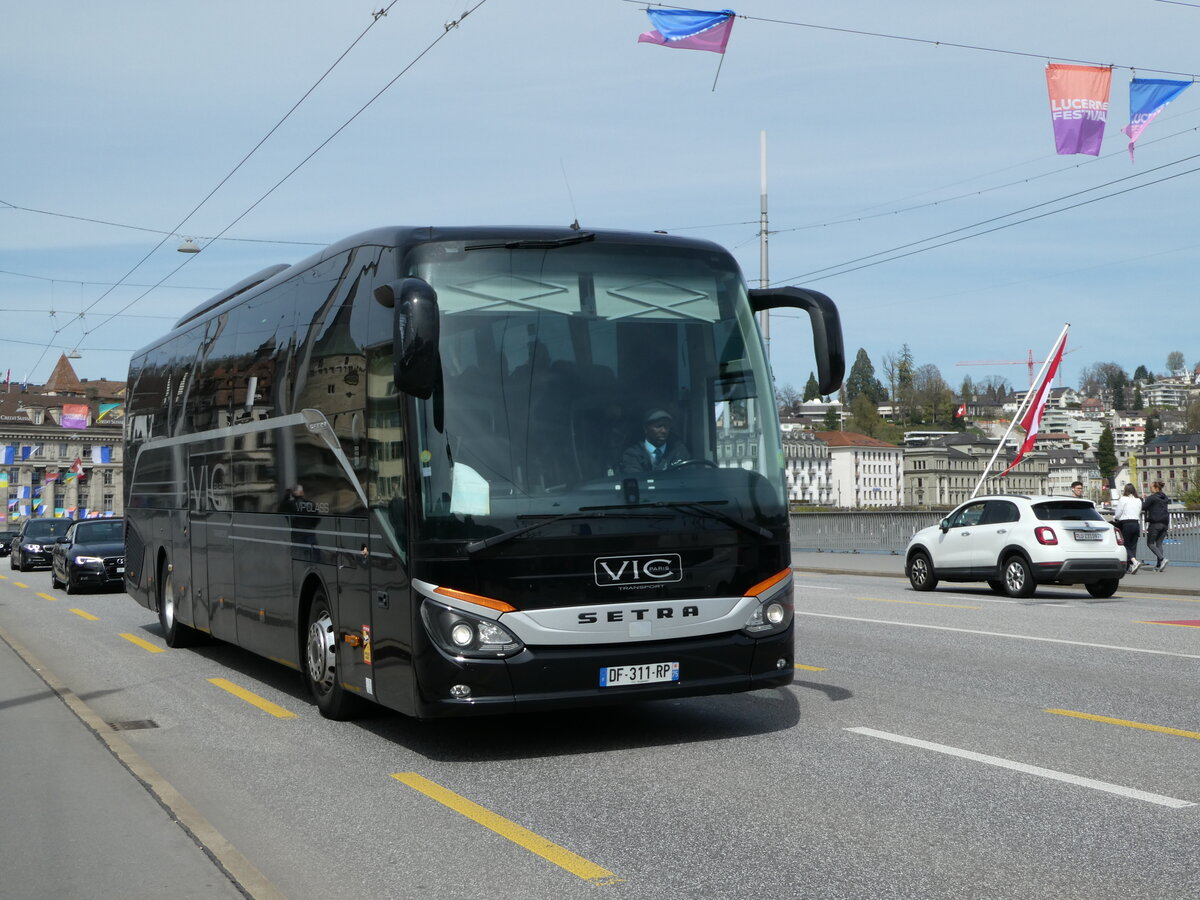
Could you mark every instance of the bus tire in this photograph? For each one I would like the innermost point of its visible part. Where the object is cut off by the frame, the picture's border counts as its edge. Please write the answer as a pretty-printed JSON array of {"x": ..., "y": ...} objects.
[
  {"x": 320, "y": 663},
  {"x": 175, "y": 633}
]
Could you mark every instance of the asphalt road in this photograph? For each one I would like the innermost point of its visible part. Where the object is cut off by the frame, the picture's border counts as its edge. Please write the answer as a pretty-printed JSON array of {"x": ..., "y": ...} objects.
[{"x": 944, "y": 745}]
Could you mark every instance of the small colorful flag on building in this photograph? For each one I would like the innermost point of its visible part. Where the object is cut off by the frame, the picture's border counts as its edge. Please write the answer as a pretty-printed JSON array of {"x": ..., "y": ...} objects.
[
  {"x": 1078, "y": 106},
  {"x": 77, "y": 467},
  {"x": 10, "y": 454},
  {"x": 74, "y": 415},
  {"x": 106, "y": 408},
  {"x": 101, "y": 454},
  {"x": 1147, "y": 98},
  {"x": 961, "y": 411},
  {"x": 51, "y": 477},
  {"x": 689, "y": 29}
]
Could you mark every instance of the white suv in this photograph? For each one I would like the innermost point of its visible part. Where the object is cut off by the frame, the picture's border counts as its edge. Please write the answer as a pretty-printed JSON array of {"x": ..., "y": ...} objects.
[{"x": 1016, "y": 542}]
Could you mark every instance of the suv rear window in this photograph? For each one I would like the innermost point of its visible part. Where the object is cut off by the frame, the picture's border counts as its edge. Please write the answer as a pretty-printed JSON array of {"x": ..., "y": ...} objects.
[{"x": 1067, "y": 511}]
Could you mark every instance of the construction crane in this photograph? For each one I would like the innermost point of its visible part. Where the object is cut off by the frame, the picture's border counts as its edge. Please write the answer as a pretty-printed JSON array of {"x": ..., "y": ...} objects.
[{"x": 1030, "y": 362}]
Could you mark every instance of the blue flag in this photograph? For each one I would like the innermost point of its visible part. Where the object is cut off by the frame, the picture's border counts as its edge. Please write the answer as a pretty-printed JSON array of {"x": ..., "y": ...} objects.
[{"x": 1147, "y": 98}]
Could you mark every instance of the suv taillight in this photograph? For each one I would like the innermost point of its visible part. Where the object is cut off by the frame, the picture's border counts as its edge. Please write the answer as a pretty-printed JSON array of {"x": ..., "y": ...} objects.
[
  {"x": 1045, "y": 535},
  {"x": 1120, "y": 537}
]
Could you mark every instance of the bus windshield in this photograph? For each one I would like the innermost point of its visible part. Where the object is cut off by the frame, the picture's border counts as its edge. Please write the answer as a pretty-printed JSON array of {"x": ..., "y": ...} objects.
[{"x": 564, "y": 368}]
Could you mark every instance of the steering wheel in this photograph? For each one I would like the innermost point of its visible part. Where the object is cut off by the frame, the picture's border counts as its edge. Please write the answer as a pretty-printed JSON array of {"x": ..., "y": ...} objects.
[{"x": 694, "y": 462}]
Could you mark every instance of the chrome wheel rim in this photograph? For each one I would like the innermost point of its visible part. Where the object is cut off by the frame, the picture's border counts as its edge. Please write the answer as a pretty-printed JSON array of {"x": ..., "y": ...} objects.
[
  {"x": 1014, "y": 576},
  {"x": 168, "y": 602},
  {"x": 321, "y": 652},
  {"x": 920, "y": 570}
]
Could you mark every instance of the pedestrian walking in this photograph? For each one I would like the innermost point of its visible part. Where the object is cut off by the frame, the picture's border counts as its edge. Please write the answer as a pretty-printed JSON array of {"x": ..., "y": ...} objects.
[
  {"x": 1158, "y": 520},
  {"x": 1128, "y": 516}
]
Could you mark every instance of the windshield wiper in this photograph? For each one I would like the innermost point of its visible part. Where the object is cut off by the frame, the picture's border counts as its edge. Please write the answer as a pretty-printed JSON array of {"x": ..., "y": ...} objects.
[
  {"x": 595, "y": 512},
  {"x": 536, "y": 244},
  {"x": 706, "y": 507}
]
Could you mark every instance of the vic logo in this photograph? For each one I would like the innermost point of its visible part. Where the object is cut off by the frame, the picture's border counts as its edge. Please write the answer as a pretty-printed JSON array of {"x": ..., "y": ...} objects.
[{"x": 613, "y": 570}]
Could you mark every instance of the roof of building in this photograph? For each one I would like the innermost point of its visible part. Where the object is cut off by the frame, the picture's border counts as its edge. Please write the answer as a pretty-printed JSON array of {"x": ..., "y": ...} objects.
[{"x": 852, "y": 439}]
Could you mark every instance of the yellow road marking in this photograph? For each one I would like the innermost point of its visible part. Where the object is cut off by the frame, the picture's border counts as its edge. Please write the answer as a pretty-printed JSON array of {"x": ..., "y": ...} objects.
[
  {"x": 47, "y": 596},
  {"x": 145, "y": 645},
  {"x": 253, "y": 699},
  {"x": 560, "y": 856},
  {"x": 1178, "y": 732},
  {"x": 19, "y": 584},
  {"x": 1176, "y": 624},
  {"x": 917, "y": 603},
  {"x": 86, "y": 615},
  {"x": 808, "y": 668}
]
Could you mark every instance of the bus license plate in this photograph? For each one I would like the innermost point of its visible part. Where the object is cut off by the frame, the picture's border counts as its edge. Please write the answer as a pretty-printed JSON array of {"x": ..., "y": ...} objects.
[
  {"x": 616, "y": 676},
  {"x": 1088, "y": 535}
]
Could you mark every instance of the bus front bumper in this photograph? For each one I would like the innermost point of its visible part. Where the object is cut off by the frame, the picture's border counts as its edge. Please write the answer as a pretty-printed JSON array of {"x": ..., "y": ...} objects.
[{"x": 544, "y": 678}]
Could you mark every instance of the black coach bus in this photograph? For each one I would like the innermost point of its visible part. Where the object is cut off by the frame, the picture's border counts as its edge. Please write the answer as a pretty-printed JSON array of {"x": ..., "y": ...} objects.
[{"x": 405, "y": 467}]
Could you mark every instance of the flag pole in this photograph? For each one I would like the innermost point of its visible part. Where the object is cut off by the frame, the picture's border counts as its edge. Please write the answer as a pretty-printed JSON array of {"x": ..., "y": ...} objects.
[{"x": 1022, "y": 408}]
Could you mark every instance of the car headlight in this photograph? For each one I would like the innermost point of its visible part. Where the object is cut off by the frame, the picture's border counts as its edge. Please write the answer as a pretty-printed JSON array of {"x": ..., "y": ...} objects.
[
  {"x": 463, "y": 634},
  {"x": 775, "y": 609},
  {"x": 89, "y": 560},
  {"x": 31, "y": 548}
]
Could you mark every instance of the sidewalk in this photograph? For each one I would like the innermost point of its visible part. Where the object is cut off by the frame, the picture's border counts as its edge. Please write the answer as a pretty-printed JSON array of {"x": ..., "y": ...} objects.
[
  {"x": 77, "y": 823},
  {"x": 1177, "y": 579}
]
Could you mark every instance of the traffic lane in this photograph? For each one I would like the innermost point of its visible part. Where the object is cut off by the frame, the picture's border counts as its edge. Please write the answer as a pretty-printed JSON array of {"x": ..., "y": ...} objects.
[
  {"x": 975, "y": 688},
  {"x": 632, "y": 788},
  {"x": 1119, "y": 620}
]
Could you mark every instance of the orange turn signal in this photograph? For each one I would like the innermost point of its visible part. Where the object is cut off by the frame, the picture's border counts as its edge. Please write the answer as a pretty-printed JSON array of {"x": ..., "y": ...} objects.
[
  {"x": 763, "y": 586},
  {"x": 477, "y": 599}
]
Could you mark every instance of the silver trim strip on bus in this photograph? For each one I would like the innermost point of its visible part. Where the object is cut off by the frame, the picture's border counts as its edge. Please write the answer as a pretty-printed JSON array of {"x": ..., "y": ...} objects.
[
  {"x": 312, "y": 419},
  {"x": 612, "y": 623}
]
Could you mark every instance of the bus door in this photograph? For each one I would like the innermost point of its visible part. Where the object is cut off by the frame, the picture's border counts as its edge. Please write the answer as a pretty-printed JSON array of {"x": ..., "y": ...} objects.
[{"x": 353, "y": 612}]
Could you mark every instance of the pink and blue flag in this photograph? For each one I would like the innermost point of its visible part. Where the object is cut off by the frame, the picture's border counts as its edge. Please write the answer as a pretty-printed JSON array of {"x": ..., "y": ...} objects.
[
  {"x": 1078, "y": 106},
  {"x": 689, "y": 29},
  {"x": 1147, "y": 98}
]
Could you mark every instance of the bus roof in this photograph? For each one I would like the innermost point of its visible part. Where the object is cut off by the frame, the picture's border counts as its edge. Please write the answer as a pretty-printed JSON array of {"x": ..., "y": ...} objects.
[{"x": 408, "y": 235}]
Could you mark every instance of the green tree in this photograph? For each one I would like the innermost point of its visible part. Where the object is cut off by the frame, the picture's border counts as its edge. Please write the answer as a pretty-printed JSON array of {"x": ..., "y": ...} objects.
[
  {"x": 1175, "y": 363},
  {"x": 832, "y": 420},
  {"x": 967, "y": 391},
  {"x": 1138, "y": 403},
  {"x": 812, "y": 390},
  {"x": 1151, "y": 429},
  {"x": 1142, "y": 374},
  {"x": 1106, "y": 455},
  {"x": 865, "y": 418},
  {"x": 862, "y": 381}
]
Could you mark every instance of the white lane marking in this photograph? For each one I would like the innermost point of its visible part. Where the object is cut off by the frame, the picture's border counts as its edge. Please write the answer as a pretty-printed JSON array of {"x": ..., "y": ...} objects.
[
  {"x": 1003, "y": 634},
  {"x": 818, "y": 587},
  {"x": 1120, "y": 790}
]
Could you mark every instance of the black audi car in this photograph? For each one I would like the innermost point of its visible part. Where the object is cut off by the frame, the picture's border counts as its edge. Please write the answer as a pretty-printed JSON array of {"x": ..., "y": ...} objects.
[
  {"x": 90, "y": 555},
  {"x": 6, "y": 539},
  {"x": 33, "y": 544}
]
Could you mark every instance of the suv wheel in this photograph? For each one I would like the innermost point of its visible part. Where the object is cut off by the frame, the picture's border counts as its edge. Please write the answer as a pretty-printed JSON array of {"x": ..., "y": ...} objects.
[
  {"x": 1104, "y": 588},
  {"x": 1018, "y": 579},
  {"x": 921, "y": 574}
]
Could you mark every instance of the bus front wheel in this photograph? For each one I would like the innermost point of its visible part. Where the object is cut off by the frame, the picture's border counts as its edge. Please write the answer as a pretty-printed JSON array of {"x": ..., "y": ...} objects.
[
  {"x": 320, "y": 663},
  {"x": 175, "y": 633}
]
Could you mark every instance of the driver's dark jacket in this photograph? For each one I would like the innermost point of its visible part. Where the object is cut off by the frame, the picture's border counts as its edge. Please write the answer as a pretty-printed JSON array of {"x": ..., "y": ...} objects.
[{"x": 637, "y": 459}]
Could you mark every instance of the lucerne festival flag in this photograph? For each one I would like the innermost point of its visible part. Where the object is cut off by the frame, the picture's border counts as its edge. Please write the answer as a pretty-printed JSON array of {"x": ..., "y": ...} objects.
[
  {"x": 1033, "y": 414},
  {"x": 1078, "y": 106},
  {"x": 689, "y": 29},
  {"x": 1147, "y": 98},
  {"x": 74, "y": 415}
]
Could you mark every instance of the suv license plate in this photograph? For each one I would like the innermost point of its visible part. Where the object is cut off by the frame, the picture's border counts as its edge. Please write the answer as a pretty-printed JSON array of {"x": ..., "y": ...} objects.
[
  {"x": 1089, "y": 535},
  {"x": 616, "y": 676}
]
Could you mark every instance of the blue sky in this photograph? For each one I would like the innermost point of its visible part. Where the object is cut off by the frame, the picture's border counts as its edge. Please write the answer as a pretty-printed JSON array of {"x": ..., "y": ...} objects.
[{"x": 543, "y": 112}]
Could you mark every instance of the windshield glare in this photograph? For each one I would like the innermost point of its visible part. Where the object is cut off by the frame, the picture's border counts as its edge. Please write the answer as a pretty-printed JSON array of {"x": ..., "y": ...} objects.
[{"x": 594, "y": 375}]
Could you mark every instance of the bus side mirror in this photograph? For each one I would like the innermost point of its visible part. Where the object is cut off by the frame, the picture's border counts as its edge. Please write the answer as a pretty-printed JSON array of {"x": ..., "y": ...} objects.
[
  {"x": 415, "y": 331},
  {"x": 826, "y": 328}
]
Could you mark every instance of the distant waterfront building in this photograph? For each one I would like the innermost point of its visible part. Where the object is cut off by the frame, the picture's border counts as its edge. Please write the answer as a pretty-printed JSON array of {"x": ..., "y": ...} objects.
[
  {"x": 866, "y": 472},
  {"x": 1173, "y": 459},
  {"x": 808, "y": 468},
  {"x": 945, "y": 474}
]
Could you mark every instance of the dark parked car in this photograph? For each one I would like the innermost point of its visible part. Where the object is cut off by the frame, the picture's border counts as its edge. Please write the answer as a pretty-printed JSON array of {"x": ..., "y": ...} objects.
[
  {"x": 33, "y": 544},
  {"x": 6, "y": 539},
  {"x": 91, "y": 554}
]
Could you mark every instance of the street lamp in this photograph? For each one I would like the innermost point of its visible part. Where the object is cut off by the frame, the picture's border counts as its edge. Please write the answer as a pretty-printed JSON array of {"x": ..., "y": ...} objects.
[{"x": 188, "y": 246}]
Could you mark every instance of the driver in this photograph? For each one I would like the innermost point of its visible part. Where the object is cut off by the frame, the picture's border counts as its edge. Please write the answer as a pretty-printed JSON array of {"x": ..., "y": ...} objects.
[{"x": 657, "y": 450}]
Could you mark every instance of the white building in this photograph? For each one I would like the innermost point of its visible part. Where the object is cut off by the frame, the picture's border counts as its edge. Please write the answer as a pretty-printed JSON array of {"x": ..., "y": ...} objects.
[
  {"x": 808, "y": 468},
  {"x": 866, "y": 472}
]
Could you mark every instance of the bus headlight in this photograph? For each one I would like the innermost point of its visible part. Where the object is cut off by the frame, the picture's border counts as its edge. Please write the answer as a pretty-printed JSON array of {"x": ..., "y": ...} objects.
[
  {"x": 773, "y": 613},
  {"x": 462, "y": 634}
]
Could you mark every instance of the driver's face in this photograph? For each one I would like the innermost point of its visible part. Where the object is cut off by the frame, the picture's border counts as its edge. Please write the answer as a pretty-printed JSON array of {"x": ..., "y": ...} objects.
[{"x": 658, "y": 431}]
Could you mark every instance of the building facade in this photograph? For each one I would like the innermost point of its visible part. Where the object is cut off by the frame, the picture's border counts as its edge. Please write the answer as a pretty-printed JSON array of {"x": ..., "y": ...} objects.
[
  {"x": 808, "y": 469},
  {"x": 865, "y": 472},
  {"x": 61, "y": 448},
  {"x": 946, "y": 474},
  {"x": 1173, "y": 459}
]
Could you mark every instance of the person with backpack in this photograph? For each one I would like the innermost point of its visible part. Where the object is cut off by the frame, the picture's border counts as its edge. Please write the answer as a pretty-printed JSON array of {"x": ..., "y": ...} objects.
[{"x": 1158, "y": 520}]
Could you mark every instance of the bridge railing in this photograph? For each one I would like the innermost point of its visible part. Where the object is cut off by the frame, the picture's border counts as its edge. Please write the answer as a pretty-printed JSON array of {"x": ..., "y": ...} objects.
[{"x": 862, "y": 531}]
